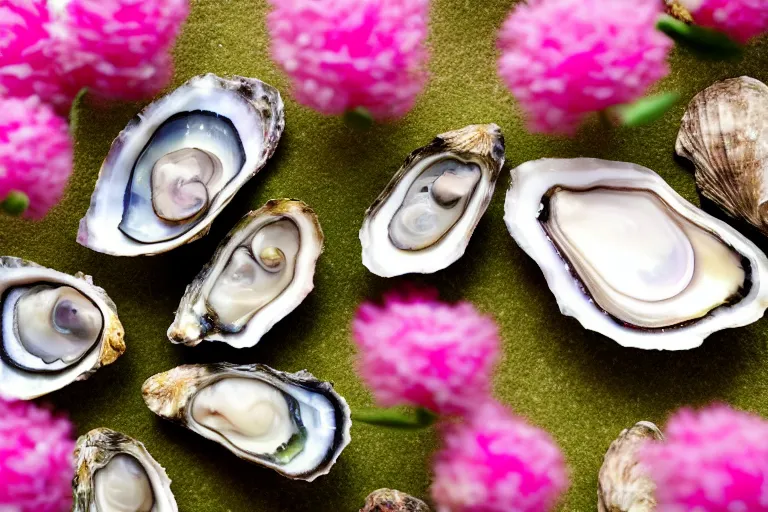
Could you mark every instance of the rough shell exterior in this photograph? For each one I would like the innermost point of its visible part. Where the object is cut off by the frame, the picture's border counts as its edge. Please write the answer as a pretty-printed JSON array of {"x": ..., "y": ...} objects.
[
  {"x": 623, "y": 485},
  {"x": 675, "y": 9},
  {"x": 390, "y": 500}
]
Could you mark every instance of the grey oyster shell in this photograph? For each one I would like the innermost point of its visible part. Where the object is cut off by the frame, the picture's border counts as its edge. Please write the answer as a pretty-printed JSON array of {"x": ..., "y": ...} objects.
[
  {"x": 179, "y": 162},
  {"x": 391, "y": 500},
  {"x": 323, "y": 415},
  {"x": 424, "y": 218}
]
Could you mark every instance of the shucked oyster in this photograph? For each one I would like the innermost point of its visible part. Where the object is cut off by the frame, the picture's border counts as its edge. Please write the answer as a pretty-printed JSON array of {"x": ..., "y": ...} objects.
[
  {"x": 423, "y": 220},
  {"x": 289, "y": 422},
  {"x": 724, "y": 133},
  {"x": 260, "y": 272},
  {"x": 116, "y": 473},
  {"x": 55, "y": 329},
  {"x": 173, "y": 169},
  {"x": 630, "y": 258}
]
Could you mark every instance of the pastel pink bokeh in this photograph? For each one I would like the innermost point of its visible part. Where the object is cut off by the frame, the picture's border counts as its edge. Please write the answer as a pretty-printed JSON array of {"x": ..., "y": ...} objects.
[
  {"x": 35, "y": 153},
  {"x": 715, "y": 459},
  {"x": 415, "y": 350},
  {"x": 344, "y": 54},
  {"x": 496, "y": 462},
  {"x": 36, "y": 459},
  {"x": 740, "y": 19},
  {"x": 564, "y": 59}
]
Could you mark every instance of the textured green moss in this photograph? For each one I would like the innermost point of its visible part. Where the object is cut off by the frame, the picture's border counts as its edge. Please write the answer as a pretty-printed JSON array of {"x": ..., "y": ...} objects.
[{"x": 578, "y": 385}]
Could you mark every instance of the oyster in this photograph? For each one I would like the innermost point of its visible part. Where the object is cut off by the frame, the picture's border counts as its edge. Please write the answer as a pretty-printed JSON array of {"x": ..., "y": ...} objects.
[
  {"x": 423, "y": 220},
  {"x": 176, "y": 165},
  {"x": 55, "y": 329},
  {"x": 261, "y": 271},
  {"x": 289, "y": 422},
  {"x": 390, "y": 500},
  {"x": 630, "y": 258},
  {"x": 115, "y": 472},
  {"x": 724, "y": 133},
  {"x": 623, "y": 485}
]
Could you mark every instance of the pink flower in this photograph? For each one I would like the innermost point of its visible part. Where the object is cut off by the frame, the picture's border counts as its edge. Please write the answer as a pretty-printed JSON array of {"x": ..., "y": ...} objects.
[
  {"x": 415, "y": 350},
  {"x": 496, "y": 462},
  {"x": 36, "y": 459},
  {"x": 563, "y": 59},
  {"x": 715, "y": 459},
  {"x": 26, "y": 66},
  {"x": 35, "y": 153},
  {"x": 344, "y": 54},
  {"x": 119, "y": 49},
  {"x": 740, "y": 19}
]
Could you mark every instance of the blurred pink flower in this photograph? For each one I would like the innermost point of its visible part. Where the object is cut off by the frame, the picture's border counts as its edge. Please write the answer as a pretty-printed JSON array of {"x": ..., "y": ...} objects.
[
  {"x": 563, "y": 59},
  {"x": 495, "y": 462},
  {"x": 36, "y": 459},
  {"x": 415, "y": 350},
  {"x": 715, "y": 459},
  {"x": 26, "y": 52},
  {"x": 344, "y": 54},
  {"x": 740, "y": 19},
  {"x": 35, "y": 153},
  {"x": 119, "y": 49}
]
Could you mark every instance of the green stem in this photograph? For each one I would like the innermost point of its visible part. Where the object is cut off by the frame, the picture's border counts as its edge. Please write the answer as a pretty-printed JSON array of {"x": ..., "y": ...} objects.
[
  {"x": 390, "y": 418},
  {"x": 645, "y": 110},
  {"x": 15, "y": 203},
  {"x": 704, "y": 42}
]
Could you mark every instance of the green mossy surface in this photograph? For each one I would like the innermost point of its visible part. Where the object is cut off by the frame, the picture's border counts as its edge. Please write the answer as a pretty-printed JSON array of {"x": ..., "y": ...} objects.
[{"x": 578, "y": 385}]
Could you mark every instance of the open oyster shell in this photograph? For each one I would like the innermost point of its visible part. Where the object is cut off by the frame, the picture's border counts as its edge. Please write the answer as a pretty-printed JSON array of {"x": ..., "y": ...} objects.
[
  {"x": 116, "y": 472},
  {"x": 423, "y": 220},
  {"x": 724, "y": 133},
  {"x": 261, "y": 271},
  {"x": 289, "y": 422},
  {"x": 55, "y": 329},
  {"x": 178, "y": 163},
  {"x": 628, "y": 257},
  {"x": 623, "y": 485}
]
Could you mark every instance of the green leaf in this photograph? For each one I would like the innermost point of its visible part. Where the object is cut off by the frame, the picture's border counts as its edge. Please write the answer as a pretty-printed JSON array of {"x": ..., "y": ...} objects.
[
  {"x": 15, "y": 203},
  {"x": 74, "y": 110},
  {"x": 646, "y": 110},
  {"x": 391, "y": 418},
  {"x": 358, "y": 118},
  {"x": 704, "y": 42}
]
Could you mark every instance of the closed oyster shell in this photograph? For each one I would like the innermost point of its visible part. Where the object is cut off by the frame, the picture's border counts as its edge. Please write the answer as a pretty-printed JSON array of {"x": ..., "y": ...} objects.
[
  {"x": 724, "y": 132},
  {"x": 391, "y": 500}
]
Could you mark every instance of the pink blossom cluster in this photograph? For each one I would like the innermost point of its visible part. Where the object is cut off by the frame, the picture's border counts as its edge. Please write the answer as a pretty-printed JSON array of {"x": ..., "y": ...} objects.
[
  {"x": 563, "y": 59},
  {"x": 715, "y": 459},
  {"x": 36, "y": 459},
  {"x": 346, "y": 54},
  {"x": 416, "y": 350},
  {"x": 740, "y": 19}
]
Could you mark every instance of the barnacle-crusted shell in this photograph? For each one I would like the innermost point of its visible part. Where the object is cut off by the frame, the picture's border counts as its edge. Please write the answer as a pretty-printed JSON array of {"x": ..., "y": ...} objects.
[
  {"x": 244, "y": 407},
  {"x": 676, "y": 9},
  {"x": 261, "y": 271},
  {"x": 628, "y": 257},
  {"x": 424, "y": 218},
  {"x": 390, "y": 500},
  {"x": 179, "y": 162},
  {"x": 30, "y": 368},
  {"x": 724, "y": 133},
  {"x": 623, "y": 484},
  {"x": 112, "y": 468}
]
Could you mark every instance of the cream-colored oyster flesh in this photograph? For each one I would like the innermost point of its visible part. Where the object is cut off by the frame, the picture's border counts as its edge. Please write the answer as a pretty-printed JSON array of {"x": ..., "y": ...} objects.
[
  {"x": 623, "y": 483},
  {"x": 424, "y": 218},
  {"x": 724, "y": 133},
  {"x": 55, "y": 329},
  {"x": 629, "y": 258},
  {"x": 176, "y": 165},
  {"x": 116, "y": 473},
  {"x": 289, "y": 422},
  {"x": 261, "y": 271}
]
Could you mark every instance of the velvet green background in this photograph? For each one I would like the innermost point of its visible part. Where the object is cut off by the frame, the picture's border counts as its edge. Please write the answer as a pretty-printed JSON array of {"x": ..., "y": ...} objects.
[{"x": 578, "y": 385}]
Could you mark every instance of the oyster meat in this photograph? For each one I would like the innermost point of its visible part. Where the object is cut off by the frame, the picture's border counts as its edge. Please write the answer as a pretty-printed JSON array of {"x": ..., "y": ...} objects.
[
  {"x": 423, "y": 220},
  {"x": 55, "y": 329},
  {"x": 289, "y": 422},
  {"x": 261, "y": 271},
  {"x": 630, "y": 258},
  {"x": 176, "y": 165},
  {"x": 116, "y": 473},
  {"x": 724, "y": 133}
]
